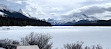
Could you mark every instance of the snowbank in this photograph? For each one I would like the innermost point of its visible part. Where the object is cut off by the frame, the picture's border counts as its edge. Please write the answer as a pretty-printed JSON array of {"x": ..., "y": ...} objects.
[{"x": 28, "y": 47}]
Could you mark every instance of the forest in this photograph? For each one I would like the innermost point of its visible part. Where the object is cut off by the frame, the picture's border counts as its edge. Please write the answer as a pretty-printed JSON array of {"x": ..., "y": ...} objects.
[{"x": 9, "y": 21}]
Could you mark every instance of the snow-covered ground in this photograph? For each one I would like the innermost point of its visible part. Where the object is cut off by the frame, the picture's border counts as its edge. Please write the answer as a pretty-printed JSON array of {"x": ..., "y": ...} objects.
[
  {"x": 63, "y": 34},
  {"x": 28, "y": 47},
  {"x": 1, "y": 48}
]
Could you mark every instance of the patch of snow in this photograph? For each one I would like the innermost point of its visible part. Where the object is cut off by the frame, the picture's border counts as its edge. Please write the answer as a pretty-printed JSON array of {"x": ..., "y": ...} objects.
[
  {"x": 1, "y": 13},
  {"x": 24, "y": 13},
  {"x": 64, "y": 34},
  {"x": 2, "y": 48},
  {"x": 28, "y": 47}
]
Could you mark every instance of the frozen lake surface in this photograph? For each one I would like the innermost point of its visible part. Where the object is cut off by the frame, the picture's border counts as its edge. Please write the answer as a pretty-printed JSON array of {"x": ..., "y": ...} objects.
[{"x": 63, "y": 34}]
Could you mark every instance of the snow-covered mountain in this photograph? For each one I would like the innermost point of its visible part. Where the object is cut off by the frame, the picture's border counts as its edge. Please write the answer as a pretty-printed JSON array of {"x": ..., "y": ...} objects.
[
  {"x": 78, "y": 17},
  {"x": 24, "y": 13},
  {"x": 15, "y": 18},
  {"x": 10, "y": 13},
  {"x": 66, "y": 19},
  {"x": 72, "y": 19}
]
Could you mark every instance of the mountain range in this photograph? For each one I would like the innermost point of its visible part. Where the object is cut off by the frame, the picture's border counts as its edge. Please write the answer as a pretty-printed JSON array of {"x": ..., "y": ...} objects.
[
  {"x": 75, "y": 19},
  {"x": 9, "y": 17}
]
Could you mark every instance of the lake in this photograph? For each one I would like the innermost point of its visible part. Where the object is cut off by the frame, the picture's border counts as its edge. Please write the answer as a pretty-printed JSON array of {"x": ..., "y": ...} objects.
[{"x": 90, "y": 35}]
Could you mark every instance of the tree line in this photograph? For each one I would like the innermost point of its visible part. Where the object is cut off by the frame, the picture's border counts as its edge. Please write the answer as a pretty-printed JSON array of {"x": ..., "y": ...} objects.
[
  {"x": 95, "y": 23},
  {"x": 9, "y": 21}
]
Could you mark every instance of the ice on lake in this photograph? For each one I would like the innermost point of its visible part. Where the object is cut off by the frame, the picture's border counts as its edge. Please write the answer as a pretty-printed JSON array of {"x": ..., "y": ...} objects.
[{"x": 91, "y": 35}]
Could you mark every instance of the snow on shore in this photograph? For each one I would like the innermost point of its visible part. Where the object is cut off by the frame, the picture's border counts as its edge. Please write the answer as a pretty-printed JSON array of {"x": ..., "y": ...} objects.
[{"x": 63, "y": 34}]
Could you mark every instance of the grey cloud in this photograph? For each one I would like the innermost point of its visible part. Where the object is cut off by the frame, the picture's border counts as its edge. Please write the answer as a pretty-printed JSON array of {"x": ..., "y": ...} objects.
[
  {"x": 40, "y": 6},
  {"x": 91, "y": 2},
  {"x": 13, "y": 5},
  {"x": 99, "y": 11},
  {"x": 94, "y": 9}
]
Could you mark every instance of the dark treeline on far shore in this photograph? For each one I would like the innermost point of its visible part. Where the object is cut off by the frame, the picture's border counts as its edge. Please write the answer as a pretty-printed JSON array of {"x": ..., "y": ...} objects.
[
  {"x": 8, "y": 21},
  {"x": 95, "y": 23},
  {"x": 11, "y": 21}
]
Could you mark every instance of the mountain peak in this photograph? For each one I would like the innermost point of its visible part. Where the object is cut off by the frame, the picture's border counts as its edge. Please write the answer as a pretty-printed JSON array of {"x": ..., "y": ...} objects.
[
  {"x": 85, "y": 15},
  {"x": 11, "y": 13},
  {"x": 26, "y": 14}
]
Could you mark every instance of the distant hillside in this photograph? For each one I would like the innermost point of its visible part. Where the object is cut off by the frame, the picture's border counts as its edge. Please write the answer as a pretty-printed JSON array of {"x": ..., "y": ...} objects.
[
  {"x": 13, "y": 14},
  {"x": 94, "y": 23},
  {"x": 9, "y": 17},
  {"x": 8, "y": 21}
]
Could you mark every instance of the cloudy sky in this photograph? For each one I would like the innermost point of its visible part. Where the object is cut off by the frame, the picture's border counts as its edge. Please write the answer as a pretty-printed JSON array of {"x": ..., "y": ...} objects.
[{"x": 56, "y": 8}]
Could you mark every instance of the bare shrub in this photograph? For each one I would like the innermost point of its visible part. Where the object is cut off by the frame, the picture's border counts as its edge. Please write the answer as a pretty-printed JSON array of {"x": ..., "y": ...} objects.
[
  {"x": 97, "y": 47},
  {"x": 42, "y": 40},
  {"x": 79, "y": 45},
  {"x": 9, "y": 42}
]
